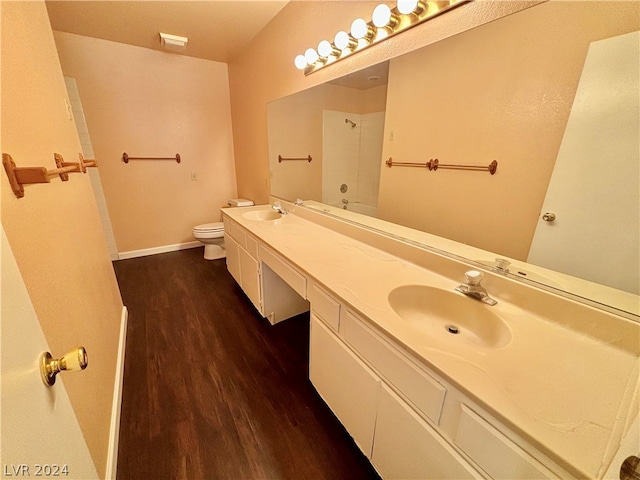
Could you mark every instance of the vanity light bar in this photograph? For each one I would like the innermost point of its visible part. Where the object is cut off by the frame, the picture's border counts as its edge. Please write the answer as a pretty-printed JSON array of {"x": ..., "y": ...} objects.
[{"x": 385, "y": 23}]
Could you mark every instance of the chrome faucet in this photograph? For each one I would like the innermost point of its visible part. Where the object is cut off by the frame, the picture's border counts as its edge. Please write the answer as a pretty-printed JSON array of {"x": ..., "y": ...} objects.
[
  {"x": 473, "y": 288},
  {"x": 279, "y": 208}
]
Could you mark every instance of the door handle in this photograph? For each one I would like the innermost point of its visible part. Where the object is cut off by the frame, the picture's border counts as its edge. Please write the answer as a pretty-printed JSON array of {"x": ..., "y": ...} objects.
[
  {"x": 549, "y": 217},
  {"x": 630, "y": 468},
  {"x": 71, "y": 361}
]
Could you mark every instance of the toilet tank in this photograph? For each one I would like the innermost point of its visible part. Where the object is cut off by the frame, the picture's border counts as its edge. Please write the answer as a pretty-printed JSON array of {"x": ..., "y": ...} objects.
[{"x": 240, "y": 202}]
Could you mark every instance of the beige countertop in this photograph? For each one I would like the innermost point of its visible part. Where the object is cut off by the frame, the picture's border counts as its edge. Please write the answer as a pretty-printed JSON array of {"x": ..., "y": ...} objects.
[{"x": 570, "y": 394}]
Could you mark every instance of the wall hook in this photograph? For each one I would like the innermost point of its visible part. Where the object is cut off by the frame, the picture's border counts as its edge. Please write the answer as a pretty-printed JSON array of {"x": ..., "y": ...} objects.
[{"x": 71, "y": 361}]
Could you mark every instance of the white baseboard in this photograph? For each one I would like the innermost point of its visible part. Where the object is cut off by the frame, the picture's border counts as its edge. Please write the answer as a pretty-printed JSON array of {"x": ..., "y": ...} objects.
[
  {"x": 155, "y": 250},
  {"x": 114, "y": 428}
]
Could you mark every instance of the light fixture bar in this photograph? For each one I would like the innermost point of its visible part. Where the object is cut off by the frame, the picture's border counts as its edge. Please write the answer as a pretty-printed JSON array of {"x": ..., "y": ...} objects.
[{"x": 375, "y": 31}]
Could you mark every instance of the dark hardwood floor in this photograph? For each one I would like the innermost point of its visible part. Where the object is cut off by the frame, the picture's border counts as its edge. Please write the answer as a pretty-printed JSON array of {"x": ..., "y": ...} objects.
[{"x": 212, "y": 390}]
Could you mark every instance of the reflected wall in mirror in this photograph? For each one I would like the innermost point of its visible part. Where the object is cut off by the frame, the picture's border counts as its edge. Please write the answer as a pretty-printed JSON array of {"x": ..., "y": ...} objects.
[
  {"x": 351, "y": 152},
  {"x": 340, "y": 125},
  {"x": 505, "y": 91}
]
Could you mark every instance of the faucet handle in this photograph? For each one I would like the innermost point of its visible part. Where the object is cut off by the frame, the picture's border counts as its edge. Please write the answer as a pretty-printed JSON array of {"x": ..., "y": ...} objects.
[
  {"x": 502, "y": 265},
  {"x": 473, "y": 277}
]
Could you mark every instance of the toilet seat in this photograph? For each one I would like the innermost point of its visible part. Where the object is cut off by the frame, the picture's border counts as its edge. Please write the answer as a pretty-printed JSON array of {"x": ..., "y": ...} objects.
[
  {"x": 209, "y": 227},
  {"x": 208, "y": 230}
]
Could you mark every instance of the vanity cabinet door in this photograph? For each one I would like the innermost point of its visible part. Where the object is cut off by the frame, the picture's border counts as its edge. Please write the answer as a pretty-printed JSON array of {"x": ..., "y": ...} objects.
[
  {"x": 347, "y": 385},
  {"x": 407, "y": 447},
  {"x": 244, "y": 269},
  {"x": 494, "y": 452},
  {"x": 233, "y": 257},
  {"x": 250, "y": 275}
]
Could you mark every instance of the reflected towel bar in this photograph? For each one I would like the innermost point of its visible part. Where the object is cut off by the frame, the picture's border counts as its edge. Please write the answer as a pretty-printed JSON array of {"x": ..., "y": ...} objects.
[
  {"x": 126, "y": 158},
  {"x": 434, "y": 164},
  {"x": 283, "y": 159}
]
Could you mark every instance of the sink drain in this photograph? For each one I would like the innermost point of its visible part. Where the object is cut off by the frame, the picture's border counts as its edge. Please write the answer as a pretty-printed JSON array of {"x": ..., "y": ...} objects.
[{"x": 452, "y": 329}]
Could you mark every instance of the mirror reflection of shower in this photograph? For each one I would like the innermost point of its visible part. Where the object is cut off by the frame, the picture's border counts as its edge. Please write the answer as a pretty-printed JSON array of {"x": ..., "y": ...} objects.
[
  {"x": 353, "y": 124},
  {"x": 352, "y": 155}
]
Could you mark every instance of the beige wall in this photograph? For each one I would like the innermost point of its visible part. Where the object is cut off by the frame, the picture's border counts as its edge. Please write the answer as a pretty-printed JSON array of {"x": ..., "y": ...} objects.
[
  {"x": 149, "y": 103},
  {"x": 295, "y": 130},
  {"x": 482, "y": 98},
  {"x": 54, "y": 230},
  {"x": 302, "y": 24}
]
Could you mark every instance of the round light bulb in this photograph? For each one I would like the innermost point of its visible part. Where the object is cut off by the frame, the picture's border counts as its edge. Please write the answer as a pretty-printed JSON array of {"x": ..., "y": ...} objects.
[
  {"x": 381, "y": 15},
  {"x": 300, "y": 62},
  {"x": 359, "y": 28},
  {"x": 311, "y": 56},
  {"x": 325, "y": 49},
  {"x": 407, "y": 6},
  {"x": 341, "y": 40}
]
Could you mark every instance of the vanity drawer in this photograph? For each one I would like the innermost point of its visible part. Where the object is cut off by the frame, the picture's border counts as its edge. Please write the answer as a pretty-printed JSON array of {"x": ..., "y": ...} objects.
[
  {"x": 284, "y": 270},
  {"x": 252, "y": 246},
  {"x": 237, "y": 233},
  {"x": 493, "y": 451},
  {"x": 421, "y": 390},
  {"x": 325, "y": 307}
]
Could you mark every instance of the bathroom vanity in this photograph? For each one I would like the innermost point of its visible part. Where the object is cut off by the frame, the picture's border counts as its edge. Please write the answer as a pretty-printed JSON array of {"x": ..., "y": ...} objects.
[{"x": 429, "y": 382}]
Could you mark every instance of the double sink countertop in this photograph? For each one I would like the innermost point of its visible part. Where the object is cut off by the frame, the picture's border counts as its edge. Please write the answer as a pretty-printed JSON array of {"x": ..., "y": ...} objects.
[{"x": 569, "y": 393}]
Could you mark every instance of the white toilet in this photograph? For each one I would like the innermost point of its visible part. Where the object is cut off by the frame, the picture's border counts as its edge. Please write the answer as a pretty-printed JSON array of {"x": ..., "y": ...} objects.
[{"x": 212, "y": 235}]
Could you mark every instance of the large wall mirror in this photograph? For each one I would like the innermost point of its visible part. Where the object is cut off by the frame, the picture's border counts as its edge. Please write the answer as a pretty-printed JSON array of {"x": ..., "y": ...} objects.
[{"x": 550, "y": 93}]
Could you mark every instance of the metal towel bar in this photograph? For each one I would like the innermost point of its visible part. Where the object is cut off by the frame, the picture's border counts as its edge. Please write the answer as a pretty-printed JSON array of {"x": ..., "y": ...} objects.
[
  {"x": 434, "y": 164},
  {"x": 126, "y": 158}
]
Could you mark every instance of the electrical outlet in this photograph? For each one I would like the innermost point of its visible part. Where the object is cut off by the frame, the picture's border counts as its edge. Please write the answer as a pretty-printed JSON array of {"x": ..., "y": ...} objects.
[{"x": 194, "y": 177}]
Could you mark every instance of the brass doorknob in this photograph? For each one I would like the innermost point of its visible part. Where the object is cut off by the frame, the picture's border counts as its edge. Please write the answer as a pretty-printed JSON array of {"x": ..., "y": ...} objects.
[
  {"x": 549, "y": 217},
  {"x": 630, "y": 469},
  {"x": 71, "y": 361}
]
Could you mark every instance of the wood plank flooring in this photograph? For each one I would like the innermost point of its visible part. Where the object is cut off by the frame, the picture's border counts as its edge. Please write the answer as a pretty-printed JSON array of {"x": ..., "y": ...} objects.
[{"x": 212, "y": 390}]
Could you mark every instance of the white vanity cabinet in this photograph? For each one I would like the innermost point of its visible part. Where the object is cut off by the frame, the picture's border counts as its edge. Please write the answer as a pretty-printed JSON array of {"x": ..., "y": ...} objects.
[
  {"x": 345, "y": 383},
  {"x": 408, "y": 447},
  {"x": 275, "y": 287},
  {"x": 232, "y": 257},
  {"x": 405, "y": 418},
  {"x": 493, "y": 451},
  {"x": 242, "y": 260}
]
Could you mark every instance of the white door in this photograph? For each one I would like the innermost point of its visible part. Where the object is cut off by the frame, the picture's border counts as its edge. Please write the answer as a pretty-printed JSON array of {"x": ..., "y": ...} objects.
[
  {"x": 40, "y": 435},
  {"x": 594, "y": 188}
]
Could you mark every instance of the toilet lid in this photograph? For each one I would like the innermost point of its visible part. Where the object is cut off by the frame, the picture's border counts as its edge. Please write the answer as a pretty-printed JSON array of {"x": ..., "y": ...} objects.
[{"x": 209, "y": 227}]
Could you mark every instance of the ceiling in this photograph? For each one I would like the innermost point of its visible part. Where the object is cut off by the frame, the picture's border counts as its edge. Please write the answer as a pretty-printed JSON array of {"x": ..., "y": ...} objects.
[
  {"x": 217, "y": 29},
  {"x": 369, "y": 77}
]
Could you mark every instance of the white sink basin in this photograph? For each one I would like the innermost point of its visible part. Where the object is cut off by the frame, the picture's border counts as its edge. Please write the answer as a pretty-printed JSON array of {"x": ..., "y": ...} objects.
[
  {"x": 450, "y": 317},
  {"x": 262, "y": 215}
]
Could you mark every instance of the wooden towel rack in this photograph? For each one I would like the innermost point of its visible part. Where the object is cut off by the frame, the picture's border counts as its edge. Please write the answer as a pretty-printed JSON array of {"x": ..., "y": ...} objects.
[
  {"x": 126, "y": 158},
  {"x": 283, "y": 159},
  {"x": 19, "y": 176},
  {"x": 434, "y": 164}
]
